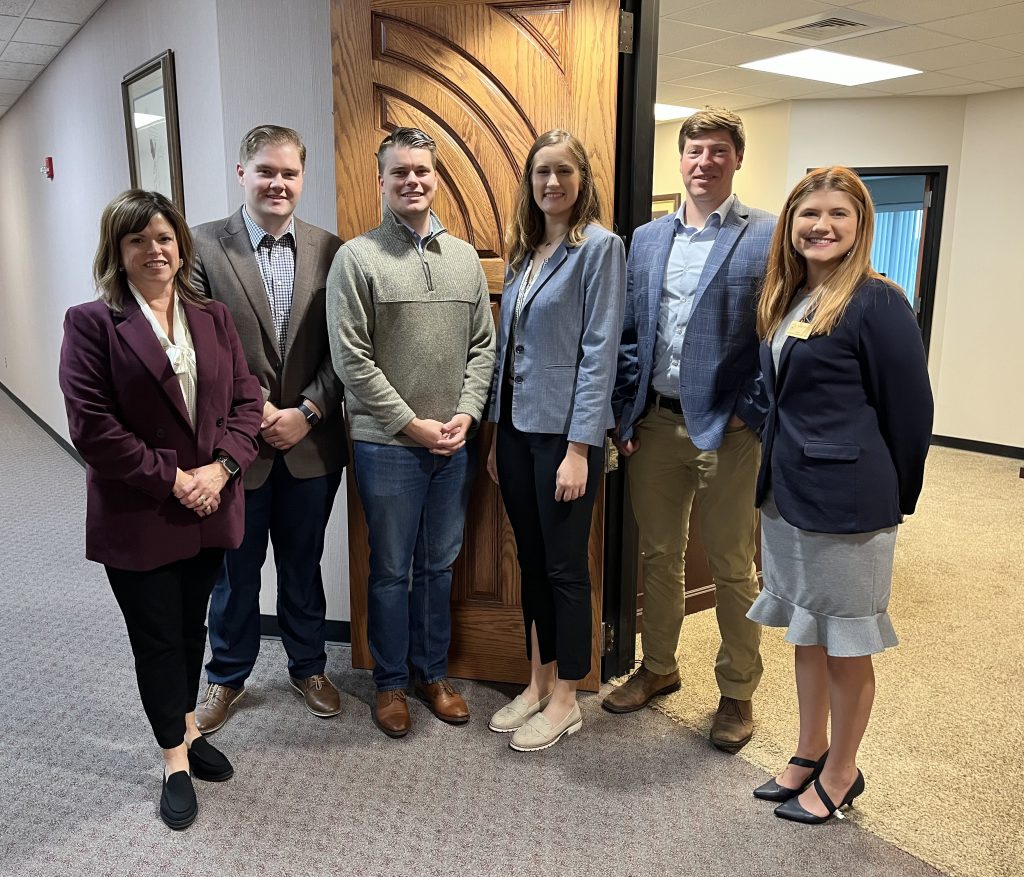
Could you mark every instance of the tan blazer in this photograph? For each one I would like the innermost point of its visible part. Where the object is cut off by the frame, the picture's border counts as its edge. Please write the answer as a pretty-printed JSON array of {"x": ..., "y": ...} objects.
[{"x": 225, "y": 269}]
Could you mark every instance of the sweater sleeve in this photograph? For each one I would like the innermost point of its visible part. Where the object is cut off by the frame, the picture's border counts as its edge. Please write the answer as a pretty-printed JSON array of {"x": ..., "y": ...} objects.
[{"x": 476, "y": 382}]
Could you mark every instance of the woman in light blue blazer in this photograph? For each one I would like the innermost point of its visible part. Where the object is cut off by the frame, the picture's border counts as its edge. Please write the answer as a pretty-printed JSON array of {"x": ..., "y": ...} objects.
[{"x": 561, "y": 318}]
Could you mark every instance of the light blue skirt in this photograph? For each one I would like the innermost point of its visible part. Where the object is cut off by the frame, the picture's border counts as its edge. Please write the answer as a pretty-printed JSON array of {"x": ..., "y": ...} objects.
[{"x": 828, "y": 589}]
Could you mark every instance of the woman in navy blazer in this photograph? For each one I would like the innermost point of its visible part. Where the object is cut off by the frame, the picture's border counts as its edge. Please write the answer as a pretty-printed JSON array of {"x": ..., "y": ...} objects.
[
  {"x": 844, "y": 446},
  {"x": 164, "y": 411},
  {"x": 561, "y": 317}
]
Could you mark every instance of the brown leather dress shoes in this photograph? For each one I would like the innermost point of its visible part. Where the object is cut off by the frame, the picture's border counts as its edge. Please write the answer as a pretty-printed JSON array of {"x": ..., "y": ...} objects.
[
  {"x": 391, "y": 713},
  {"x": 215, "y": 707},
  {"x": 733, "y": 725},
  {"x": 640, "y": 689},
  {"x": 443, "y": 701},
  {"x": 321, "y": 697}
]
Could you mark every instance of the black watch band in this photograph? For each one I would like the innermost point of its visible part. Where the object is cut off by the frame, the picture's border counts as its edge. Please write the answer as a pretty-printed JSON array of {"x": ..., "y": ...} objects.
[
  {"x": 312, "y": 418},
  {"x": 230, "y": 466}
]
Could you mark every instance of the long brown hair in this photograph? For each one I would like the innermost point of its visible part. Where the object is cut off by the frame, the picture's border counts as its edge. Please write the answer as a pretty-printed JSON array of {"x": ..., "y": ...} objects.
[
  {"x": 129, "y": 213},
  {"x": 526, "y": 231},
  {"x": 787, "y": 269}
]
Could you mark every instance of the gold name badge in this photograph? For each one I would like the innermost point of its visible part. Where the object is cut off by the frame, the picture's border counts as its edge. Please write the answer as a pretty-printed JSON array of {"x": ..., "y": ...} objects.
[{"x": 799, "y": 329}]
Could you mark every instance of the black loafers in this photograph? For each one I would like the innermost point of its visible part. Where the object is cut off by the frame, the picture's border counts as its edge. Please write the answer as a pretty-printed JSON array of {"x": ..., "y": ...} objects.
[
  {"x": 208, "y": 763},
  {"x": 178, "y": 804}
]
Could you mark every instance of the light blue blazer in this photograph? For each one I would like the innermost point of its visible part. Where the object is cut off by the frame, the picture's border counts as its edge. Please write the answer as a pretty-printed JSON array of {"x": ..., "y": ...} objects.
[{"x": 566, "y": 340}]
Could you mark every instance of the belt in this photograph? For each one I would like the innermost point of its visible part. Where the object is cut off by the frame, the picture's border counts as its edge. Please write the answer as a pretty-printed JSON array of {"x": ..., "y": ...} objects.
[{"x": 668, "y": 403}]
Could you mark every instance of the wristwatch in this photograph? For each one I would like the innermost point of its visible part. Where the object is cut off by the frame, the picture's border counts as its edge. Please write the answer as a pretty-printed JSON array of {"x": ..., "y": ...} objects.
[
  {"x": 230, "y": 466},
  {"x": 312, "y": 418}
]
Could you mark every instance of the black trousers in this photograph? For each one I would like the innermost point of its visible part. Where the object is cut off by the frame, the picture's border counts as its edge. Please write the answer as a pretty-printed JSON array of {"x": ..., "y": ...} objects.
[
  {"x": 165, "y": 612},
  {"x": 552, "y": 541}
]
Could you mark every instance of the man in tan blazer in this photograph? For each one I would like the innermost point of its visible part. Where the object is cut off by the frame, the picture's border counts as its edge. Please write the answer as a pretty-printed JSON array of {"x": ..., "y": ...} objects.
[{"x": 270, "y": 269}]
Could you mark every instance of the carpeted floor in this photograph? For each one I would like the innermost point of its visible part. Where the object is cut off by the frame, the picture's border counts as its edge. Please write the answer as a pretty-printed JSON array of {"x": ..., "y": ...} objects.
[
  {"x": 944, "y": 754},
  {"x": 80, "y": 775}
]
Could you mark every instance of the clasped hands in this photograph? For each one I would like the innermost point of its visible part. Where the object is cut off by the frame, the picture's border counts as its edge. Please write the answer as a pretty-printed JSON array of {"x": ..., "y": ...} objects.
[
  {"x": 443, "y": 439},
  {"x": 199, "y": 489},
  {"x": 283, "y": 428}
]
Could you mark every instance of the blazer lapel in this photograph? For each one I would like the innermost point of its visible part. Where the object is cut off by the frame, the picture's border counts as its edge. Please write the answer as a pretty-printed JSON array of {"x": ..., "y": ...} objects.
[
  {"x": 302, "y": 289},
  {"x": 728, "y": 234},
  {"x": 552, "y": 264},
  {"x": 656, "y": 275},
  {"x": 238, "y": 249},
  {"x": 204, "y": 340},
  {"x": 136, "y": 332}
]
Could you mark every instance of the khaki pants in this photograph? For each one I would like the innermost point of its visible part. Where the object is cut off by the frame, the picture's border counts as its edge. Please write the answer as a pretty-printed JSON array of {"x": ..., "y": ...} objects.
[{"x": 665, "y": 474}]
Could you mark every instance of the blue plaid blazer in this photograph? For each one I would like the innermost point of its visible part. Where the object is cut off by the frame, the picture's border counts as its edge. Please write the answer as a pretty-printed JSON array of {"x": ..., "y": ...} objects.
[{"x": 719, "y": 374}]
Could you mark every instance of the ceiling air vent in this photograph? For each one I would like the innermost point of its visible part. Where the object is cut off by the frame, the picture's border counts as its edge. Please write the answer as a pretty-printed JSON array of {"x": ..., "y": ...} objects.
[{"x": 824, "y": 28}]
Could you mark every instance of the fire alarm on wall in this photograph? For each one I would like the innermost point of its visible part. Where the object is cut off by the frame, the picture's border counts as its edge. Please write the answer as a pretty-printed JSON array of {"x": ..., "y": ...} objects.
[{"x": 47, "y": 167}]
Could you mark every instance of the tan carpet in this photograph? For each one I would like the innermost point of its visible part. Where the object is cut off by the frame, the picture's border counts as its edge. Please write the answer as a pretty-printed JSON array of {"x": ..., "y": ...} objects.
[{"x": 944, "y": 753}]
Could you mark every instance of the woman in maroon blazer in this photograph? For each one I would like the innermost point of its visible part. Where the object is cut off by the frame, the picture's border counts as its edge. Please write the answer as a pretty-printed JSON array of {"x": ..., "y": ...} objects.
[{"x": 165, "y": 413}]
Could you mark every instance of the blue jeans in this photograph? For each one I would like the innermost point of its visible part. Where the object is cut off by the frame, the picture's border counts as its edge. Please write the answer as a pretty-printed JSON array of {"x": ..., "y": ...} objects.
[
  {"x": 293, "y": 512},
  {"x": 415, "y": 506}
]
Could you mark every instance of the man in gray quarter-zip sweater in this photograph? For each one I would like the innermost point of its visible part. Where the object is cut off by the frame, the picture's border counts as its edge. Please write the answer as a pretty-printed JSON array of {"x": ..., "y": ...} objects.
[{"x": 412, "y": 339}]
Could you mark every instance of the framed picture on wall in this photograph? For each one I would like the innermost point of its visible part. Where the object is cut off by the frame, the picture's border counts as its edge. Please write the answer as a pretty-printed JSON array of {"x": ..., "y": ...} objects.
[
  {"x": 662, "y": 205},
  {"x": 151, "y": 125}
]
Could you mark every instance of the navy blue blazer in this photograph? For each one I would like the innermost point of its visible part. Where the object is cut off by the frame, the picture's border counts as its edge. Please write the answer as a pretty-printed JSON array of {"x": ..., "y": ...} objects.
[
  {"x": 850, "y": 419},
  {"x": 718, "y": 375},
  {"x": 566, "y": 340}
]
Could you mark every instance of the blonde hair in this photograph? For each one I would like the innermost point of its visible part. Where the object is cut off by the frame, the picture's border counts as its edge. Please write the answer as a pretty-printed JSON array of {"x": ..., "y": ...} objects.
[
  {"x": 526, "y": 231},
  {"x": 787, "y": 269},
  {"x": 269, "y": 135},
  {"x": 713, "y": 119},
  {"x": 129, "y": 213}
]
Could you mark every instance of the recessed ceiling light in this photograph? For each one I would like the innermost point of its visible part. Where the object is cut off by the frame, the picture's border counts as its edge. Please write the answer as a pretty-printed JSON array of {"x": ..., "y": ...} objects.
[
  {"x": 822, "y": 66},
  {"x": 670, "y": 113}
]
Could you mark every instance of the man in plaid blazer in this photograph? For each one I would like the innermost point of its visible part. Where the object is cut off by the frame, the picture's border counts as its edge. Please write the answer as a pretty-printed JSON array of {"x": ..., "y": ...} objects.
[{"x": 689, "y": 401}]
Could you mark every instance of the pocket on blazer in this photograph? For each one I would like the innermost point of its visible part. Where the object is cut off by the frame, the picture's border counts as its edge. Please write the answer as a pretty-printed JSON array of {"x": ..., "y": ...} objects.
[{"x": 832, "y": 451}]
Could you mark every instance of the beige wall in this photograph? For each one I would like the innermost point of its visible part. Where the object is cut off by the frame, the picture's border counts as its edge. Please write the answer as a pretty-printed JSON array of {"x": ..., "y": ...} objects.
[{"x": 970, "y": 361}]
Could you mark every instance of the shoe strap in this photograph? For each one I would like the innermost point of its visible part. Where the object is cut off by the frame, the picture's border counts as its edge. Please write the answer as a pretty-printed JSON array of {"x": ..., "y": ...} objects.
[
  {"x": 802, "y": 762},
  {"x": 825, "y": 799}
]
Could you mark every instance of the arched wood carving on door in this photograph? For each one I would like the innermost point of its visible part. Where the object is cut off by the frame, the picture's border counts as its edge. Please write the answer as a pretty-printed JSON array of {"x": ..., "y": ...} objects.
[{"x": 484, "y": 79}]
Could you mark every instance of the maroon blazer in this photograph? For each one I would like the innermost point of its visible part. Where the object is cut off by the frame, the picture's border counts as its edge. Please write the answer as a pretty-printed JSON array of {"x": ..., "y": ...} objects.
[{"x": 128, "y": 420}]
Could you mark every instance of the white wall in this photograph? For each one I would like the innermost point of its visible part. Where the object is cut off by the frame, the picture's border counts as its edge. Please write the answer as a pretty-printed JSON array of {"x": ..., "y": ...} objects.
[
  {"x": 237, "y": 64},
  {"x": 979, "y": 300}
]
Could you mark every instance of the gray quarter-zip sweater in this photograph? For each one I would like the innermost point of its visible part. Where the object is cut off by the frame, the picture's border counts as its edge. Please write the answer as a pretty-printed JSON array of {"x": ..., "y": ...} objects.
[{"x": 411, "y": 332}]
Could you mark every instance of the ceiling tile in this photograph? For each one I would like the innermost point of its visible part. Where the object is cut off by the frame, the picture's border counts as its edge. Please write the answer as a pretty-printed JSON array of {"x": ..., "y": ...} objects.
[
  {"x": 7, "y": 100},
  {"x": 17, "y": 70},
  {"x": 732, "y": 101},
  {"x": 14, "y": 7},
  {"x": 51, "y": 33},
  {"x": 13, "y": 86},
  {"x": 990, "y": 70},
  {"x": 920, "y": 82},
  {"x": 729, "y": 79},
  {"x": 8, "y": 25},
  {"x": 30, "y": 53},
  {"x": 786, "y": 87},
  {"x": 75, "y": 11},
  {"x": 670, "y": 7},
  {"x": 900, "y": 40},
  {"x": 915, "y": 11},
  {"x": 680, "y": 96},
  {"x": 1012, "y": 82},
  {"x": 742, "y": 18},
  {"x": 958, "y": 54},
  {"x": 674, "y": 36},
  {"x": 1014, "y": 42},
  {"x": 844, "y": 92},
  {"x": 970, "y": 88},
  {"x": 671, "y": 67},
  {"x": 739, "y": 50},
  {"x": 983, "y": 25}
]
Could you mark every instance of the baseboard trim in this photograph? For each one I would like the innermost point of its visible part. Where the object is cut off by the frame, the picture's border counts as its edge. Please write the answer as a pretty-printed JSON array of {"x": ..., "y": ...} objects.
[
  {"x": 42, "y": 424},
  {"x": 338, "y": 632},
  {"x": 994, "y": 450}
]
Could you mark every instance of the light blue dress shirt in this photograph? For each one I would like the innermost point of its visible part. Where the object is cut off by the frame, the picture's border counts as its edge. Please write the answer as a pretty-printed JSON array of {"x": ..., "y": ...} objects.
[{"x": 690, "y": 250}]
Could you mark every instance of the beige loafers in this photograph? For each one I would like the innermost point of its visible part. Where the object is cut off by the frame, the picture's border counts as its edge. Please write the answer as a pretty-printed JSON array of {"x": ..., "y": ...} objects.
[
  {"x": 514, "y": 715},
  {"x": 538, "y": 733}
]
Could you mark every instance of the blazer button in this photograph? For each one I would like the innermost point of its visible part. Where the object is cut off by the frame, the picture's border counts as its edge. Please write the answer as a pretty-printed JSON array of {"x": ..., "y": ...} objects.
[
  {"x": 519, "y": 379},
  {"x": 220, "y": 421},
  {"x": 520, "y": 348},
  {"x": 160, "y": 433}
]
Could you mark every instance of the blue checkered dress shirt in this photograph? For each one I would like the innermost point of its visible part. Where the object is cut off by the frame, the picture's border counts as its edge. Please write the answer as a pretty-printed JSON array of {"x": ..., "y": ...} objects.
[{"x": 276, "y": 258}]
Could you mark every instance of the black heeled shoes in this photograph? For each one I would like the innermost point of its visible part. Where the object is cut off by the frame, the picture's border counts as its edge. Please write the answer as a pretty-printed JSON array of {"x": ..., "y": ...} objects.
[
  {"x": 772, "y": 791},
  {"x": 793, "y": 811}
]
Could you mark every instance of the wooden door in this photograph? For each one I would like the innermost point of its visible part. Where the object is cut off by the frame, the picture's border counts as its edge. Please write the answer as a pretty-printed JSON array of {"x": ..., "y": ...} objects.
[{"x": 483, "y": 78}]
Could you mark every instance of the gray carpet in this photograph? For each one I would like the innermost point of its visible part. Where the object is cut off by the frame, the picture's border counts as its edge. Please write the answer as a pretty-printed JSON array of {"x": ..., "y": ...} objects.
[{"x": 80, "y": 774}]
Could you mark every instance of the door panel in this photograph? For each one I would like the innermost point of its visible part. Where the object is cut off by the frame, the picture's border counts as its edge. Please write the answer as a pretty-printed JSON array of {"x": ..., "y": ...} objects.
[{"x": 484, "y": 79}]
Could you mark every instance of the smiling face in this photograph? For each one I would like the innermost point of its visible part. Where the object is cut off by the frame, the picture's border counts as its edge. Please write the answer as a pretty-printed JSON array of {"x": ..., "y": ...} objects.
[
  {"x": 150, "y": 257},
  {"x": 555, "y": 180},
  {"x": 823, "y": 230},
  {"x": 708, "y": 163},
  {"x": 272, "y": 180},
  {"x": 408, "y": 182}
]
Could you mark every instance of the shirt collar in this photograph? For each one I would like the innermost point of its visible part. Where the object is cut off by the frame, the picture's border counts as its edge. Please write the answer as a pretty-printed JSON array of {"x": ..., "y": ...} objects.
[
  {"x": 257, "y": 234},
  {"x": 435, "y": 229},
  {"x": 719, "y": 211}
]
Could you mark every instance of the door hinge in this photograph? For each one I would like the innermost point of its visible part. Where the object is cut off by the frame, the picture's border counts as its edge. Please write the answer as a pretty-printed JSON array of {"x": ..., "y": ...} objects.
[
  {"x": 625, "y": 32},
  {"x": 608, "y": 641}
]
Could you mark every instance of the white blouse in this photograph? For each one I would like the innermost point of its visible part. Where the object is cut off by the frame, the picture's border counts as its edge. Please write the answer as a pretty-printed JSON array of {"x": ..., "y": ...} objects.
[{"x": 180, "y": 352}]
